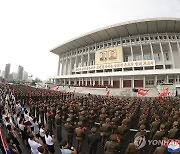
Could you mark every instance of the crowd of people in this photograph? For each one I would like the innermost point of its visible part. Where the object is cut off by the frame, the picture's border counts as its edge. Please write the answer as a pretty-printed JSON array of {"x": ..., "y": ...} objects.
[{"x": 39, "y": 115}]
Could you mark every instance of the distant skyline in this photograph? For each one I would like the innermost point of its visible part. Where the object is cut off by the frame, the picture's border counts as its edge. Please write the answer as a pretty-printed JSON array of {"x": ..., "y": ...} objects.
[{"x": 30, "y": 29}]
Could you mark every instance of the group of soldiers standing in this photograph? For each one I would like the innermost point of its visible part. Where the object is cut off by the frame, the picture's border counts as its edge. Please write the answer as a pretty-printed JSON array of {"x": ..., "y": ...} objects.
[{"x": 103, "y": 120}]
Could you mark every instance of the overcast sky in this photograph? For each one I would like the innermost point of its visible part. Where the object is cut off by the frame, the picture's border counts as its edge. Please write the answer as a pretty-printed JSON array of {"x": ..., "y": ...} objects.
[{"x": 29, "y": 29}]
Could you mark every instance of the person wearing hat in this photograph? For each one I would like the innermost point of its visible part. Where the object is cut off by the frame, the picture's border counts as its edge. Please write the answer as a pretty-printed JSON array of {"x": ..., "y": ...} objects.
[
  {"x": 163, "y": 148},
  {"x": 53, "y": 110},
  {"x": 154, "y": 127},
  {"x": 174, "y": 132},
  {"x": 121, "y": 132},
  {"x": 127, "y": 120},
  {"x": 111, "y": 146},
  {"x": 141, "y": 132},
  {"x": 82, "y": 118},
  {"x": 116, "y": 120},
  {"x": 106, "y": 130},
  {"x": 93, "y": 140},
  {"x": 79, "y": 136},
  {"x": 158, "y": 136},
  {"x": 49, "y": 119},
  {"x": 69, "y": 131},
  {"x": 132, "y": 149},
  {"x": 168, "y": 125},
  {"x": 58, "y": 122}
]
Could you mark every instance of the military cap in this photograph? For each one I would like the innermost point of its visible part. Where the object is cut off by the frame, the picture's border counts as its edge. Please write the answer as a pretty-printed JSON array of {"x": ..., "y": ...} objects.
[
  {"x": 68, "y": 119},
  {"x": 116, "y": 114},
  {"x": 58, "y": 111},
  {"x": 175, "y": 123},
  {"x": 81, "y": 109},
  {"x": 107, "y": 120},
  {"x": 92, "y": 111},
  {"x": 113, "y": 137},
  {"x": 80, "y": 123},
  {"x": 93, "y": 130},
  {"x": 128, "y": 115},
  {"x": 142, "y": 127},
  {"x": 162, "y": 126}
]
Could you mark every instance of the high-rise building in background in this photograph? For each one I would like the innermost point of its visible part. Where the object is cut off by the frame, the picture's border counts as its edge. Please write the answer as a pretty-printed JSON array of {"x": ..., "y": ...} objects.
[
  {"x": 10, "y": 78},
  {"x": 14, "y": 74},
  {"x": 7, "y": 71},
  {"x": 20, "y": 73},
  {"x": 25, "y": 77}
]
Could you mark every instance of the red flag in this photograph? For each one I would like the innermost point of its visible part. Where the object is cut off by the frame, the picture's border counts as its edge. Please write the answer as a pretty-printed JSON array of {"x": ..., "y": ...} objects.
[
  {"x": 142, "y": 92},
  {"x": 6, "y": 83},
  {"x": 164, "y": 93},
  {"x": 57, "y": 88},
  {"x": 107, "y": 94}
]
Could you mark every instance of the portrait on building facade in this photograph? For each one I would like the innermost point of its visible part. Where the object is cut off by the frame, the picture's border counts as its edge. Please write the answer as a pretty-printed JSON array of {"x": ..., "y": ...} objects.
[
  {"x": 103, "y": 55},
  {"x": 112, "y": 54}
]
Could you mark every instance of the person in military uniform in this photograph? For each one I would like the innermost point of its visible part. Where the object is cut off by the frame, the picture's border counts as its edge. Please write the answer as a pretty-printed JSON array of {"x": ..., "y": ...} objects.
[
  {"x": 132, "y": 149},
  {"x": 58, "y": 122},
  {"x": 154, "y": 127},
  {"x": 70, "y": 131},
  {"x": 163, "y": 148},
  {"x": 174, "y": 132},
  {"x": 116, "y": 121},
  {"x": 168, "y": 125},
  {"x": 127, "y": 121},
  {"x": 158, "y": 136},
  {"x": 121, "y": 132},
  {"x": 53, "y": 110},
  {"x": 106, "y": 130},
  {"x": 79, "y": 136},
  {"x": 49, "y": 120},
  {"x": 41, "y": 113},
  {"x": 93, "y": 140},
  {"x": 141, "y": 132},
  {"x": 111, "y": 146}
]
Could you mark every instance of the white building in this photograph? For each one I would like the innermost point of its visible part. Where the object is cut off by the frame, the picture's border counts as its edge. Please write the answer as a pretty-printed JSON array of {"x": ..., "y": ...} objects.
[{"x": 141, "y": 53}]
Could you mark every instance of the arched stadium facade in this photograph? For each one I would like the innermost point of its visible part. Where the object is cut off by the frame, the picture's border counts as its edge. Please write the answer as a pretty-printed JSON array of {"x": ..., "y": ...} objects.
[{"x": 142, "y": 53}]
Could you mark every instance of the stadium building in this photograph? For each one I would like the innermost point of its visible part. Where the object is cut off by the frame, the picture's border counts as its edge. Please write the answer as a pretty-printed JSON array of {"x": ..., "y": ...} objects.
[{"x": 141, "y": 53}]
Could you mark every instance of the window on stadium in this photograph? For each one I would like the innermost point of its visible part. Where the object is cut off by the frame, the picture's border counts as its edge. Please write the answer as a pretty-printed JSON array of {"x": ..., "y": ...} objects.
[
  {"x": 150, "y": 82},
  {"x": 147, "y": 57},
  {"x": 157, "y": 57},
  {"x": 166, "y": 56}
]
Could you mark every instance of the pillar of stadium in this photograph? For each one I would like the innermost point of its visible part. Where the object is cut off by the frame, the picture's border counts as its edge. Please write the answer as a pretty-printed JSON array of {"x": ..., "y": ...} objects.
[{"x": 65, "y": 69}]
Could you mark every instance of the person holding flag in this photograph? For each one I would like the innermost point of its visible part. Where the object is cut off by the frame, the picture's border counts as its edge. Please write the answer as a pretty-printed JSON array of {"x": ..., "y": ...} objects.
[
  {"x": 107, "y": 94},
  {"x": 164, "y": 93}
]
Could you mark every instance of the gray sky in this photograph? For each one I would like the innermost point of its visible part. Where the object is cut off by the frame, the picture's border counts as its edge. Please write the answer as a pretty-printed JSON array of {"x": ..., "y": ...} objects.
[{"x": 29, "y": 29}]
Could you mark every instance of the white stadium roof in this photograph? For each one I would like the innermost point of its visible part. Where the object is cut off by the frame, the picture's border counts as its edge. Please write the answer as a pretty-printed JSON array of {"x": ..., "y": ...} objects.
[{"x": 130, "y": 28}]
